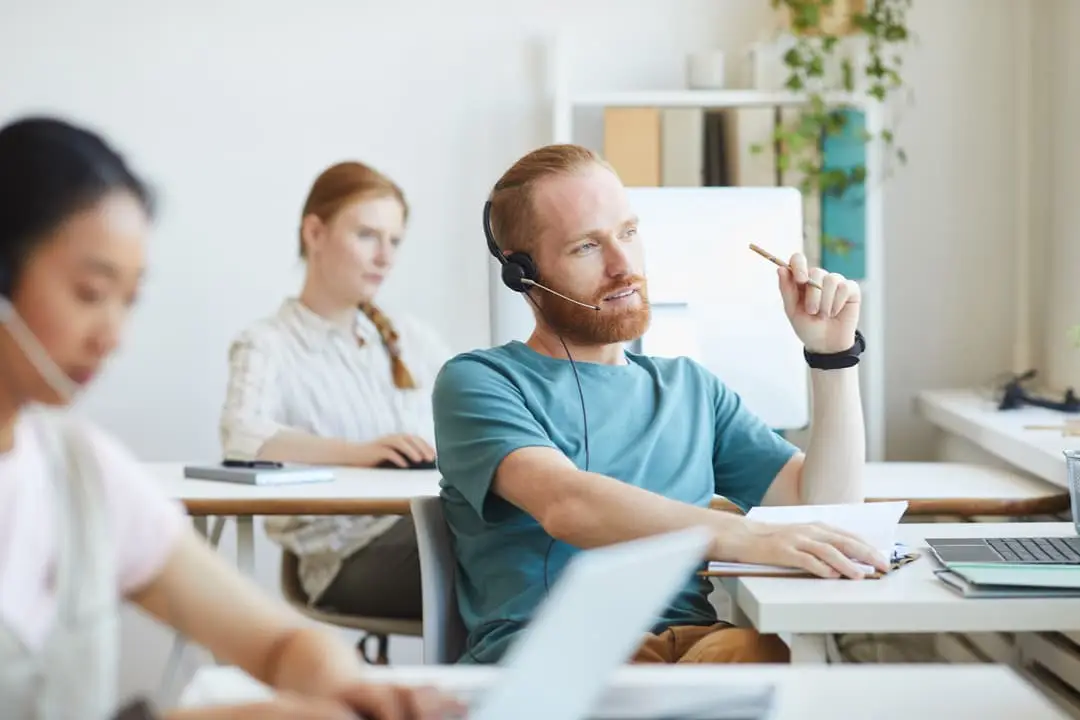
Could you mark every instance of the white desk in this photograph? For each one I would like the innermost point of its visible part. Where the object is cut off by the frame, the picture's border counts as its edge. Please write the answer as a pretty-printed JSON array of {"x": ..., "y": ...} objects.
[
  {"x": 909, "y": 600},
  {"x": 931, "y": 488},
  {"x": 354, "y": 491},
  {"x": 956, "y": 489},
  {"x": 933, "y": 481},
  {"x": 882, "y": 692},
  {"x": 1001, "y": 433}
]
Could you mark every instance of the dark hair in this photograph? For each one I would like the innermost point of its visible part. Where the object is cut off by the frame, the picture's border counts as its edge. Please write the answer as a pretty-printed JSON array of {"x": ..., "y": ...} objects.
[{"x": 50, "y": 170}]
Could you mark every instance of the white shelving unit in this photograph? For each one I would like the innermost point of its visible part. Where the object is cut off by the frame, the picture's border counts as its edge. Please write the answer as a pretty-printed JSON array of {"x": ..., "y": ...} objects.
[{"x": 565, "y": 101}]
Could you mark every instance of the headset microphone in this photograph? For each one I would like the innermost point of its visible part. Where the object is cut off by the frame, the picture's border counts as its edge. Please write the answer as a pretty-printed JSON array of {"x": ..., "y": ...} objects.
[
  {"x": 57, "y": 379},
  {"x": 531, "y": 283}
]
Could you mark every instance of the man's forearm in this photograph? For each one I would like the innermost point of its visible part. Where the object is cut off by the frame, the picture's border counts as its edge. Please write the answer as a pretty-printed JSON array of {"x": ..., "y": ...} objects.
[
  {"x": 836, "y": 455},
  {"x": 604, "y": 511}
]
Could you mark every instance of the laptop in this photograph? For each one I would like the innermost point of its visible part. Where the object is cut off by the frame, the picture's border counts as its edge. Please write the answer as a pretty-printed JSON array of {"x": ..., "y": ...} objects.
[
  {"x": 592, "y": 622},
  {"x": 1009, "y": 550},
  {"x": 1062, "y": 551}
]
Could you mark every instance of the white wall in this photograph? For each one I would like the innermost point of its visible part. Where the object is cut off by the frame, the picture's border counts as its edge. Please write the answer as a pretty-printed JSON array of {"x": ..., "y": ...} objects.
[
  {"x": 1061, "y": 254},
  {"x": 949, "y": 213},
  {"x": 1048, "y": 245}
]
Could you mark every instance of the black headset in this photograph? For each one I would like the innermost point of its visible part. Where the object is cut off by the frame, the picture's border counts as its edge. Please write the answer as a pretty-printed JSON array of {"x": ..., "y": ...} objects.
[{"x": 516, "y": 267}]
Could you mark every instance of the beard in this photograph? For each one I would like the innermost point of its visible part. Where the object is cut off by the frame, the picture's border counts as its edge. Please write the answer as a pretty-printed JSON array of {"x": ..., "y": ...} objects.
[{"x": 584, "y": 326}]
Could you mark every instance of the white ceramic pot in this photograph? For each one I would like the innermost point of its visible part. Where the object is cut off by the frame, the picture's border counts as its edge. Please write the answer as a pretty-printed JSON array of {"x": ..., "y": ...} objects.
[{"x": 705, "y": 70}]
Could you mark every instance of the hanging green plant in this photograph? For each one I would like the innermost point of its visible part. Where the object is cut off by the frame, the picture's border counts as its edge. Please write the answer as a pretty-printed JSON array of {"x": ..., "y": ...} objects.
[{"x": 817, "y": 31}]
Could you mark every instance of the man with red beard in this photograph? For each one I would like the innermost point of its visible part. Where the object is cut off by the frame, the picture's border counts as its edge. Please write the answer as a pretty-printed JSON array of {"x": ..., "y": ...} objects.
[{"x": 568, "y": 441}]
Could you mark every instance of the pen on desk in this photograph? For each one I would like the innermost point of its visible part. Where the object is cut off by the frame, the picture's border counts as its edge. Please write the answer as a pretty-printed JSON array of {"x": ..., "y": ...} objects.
[
  {"x": 252, "y": 464},
  {"x": 778, "y": 262}
]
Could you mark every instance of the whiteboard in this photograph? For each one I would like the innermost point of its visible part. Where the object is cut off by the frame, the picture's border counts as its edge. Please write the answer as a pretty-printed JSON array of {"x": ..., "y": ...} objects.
[{"x": 715, "y": 300}]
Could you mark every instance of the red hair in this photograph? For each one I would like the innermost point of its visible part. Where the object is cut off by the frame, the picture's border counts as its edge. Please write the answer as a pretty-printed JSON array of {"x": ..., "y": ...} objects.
[{"x": 513, "y": 218}]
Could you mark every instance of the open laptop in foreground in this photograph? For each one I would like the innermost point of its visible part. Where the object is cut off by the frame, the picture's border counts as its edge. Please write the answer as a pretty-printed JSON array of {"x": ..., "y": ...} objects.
[{"x": 592, "y": 623}]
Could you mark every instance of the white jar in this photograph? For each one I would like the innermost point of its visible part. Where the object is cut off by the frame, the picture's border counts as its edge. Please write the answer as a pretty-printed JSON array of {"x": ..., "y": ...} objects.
[{"x": 705, "y": 70}]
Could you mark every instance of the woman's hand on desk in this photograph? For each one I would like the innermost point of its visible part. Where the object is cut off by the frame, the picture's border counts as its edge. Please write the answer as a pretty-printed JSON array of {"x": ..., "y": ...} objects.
[
  {"x": 378, "y": 701},
  {"x": 281, "y": 707},
  {"x": 820, "y": 549},
  {"x": 398, "y": 449}
]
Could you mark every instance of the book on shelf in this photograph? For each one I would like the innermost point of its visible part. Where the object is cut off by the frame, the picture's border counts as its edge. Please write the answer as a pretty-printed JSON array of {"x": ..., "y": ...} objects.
[{"x": 690, "y": 146}]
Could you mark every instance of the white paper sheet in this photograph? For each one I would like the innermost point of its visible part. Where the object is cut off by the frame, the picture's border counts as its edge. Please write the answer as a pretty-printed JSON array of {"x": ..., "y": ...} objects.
[{"x": 874, "y": 522}]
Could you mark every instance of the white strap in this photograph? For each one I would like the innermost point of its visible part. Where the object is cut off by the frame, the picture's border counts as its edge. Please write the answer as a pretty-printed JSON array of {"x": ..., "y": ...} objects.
[{"x": 84, "y": 559}]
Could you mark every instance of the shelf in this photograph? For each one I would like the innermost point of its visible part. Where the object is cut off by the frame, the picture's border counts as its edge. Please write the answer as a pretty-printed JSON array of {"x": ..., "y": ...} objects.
[{"x": 706, "y": 98}]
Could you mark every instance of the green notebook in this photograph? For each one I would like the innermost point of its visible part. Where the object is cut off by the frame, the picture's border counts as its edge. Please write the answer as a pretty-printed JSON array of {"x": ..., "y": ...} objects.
[
  {"x": 987, "y": 580},
  {"x": 1065, "y": 577}
]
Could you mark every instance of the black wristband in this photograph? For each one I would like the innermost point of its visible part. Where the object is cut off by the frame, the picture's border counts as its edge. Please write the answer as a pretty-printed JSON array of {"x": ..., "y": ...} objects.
[{"x": 836, "y": 361}]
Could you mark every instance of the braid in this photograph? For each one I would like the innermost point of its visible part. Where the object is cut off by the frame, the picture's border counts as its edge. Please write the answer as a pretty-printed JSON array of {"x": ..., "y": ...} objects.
[{"x": 402, "y": 377}]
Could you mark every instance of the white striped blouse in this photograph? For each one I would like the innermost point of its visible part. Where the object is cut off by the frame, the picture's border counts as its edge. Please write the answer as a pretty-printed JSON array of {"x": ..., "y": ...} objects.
[{"x": 296, "y": 370}]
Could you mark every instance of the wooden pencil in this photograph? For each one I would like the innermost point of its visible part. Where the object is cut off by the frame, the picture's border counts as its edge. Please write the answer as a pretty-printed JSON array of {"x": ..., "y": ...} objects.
[{"x": 778, "y": 262}]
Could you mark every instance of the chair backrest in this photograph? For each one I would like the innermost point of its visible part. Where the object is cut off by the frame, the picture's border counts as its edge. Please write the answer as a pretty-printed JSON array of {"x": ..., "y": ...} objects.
[
  {"x": 444, "y": 632},
  {"x": 290, "y": 580}
]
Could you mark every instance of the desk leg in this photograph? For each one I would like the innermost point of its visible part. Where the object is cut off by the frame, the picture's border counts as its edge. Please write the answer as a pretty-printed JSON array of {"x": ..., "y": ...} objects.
[
  {"x": 730, "y": 587},
  {"x": 738, "y": 617},
  {"x": 245, "y": 544},
  {"x": 808, "y": 649}
]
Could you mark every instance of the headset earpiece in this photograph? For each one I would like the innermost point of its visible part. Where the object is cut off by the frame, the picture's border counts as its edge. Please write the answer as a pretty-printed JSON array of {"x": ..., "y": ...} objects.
[{"x": 516, "y": 268}]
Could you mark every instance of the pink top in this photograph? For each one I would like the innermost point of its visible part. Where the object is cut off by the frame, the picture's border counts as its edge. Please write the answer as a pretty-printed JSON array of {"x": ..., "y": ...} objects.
[{"x": 146, "y": 524}]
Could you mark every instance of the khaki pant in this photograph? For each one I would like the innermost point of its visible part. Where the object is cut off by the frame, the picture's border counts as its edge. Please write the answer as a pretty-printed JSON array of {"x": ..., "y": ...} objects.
[
  {"x": 720, "y": 643},
  {"x": 380, "y": 580}
]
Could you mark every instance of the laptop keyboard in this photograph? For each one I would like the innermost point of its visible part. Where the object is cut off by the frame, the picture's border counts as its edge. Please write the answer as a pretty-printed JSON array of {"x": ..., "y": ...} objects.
[{"x": 1049, "y": 550}]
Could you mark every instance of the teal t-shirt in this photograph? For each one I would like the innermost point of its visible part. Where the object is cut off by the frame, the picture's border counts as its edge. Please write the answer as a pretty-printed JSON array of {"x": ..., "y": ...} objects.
[{"x": 665, "y": 425}]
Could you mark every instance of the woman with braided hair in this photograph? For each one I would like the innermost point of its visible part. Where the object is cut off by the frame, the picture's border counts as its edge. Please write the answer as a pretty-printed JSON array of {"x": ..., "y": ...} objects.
[{"x": 330, "y": 379}]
